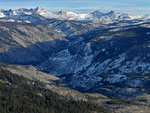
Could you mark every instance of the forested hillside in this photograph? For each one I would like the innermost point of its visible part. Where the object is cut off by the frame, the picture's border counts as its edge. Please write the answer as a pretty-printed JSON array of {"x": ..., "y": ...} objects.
[{"x": 20, "y": 95}]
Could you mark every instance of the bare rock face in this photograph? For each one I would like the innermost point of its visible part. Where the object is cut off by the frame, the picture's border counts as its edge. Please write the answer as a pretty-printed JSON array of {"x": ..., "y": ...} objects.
[{"x": 113, "y": 61}]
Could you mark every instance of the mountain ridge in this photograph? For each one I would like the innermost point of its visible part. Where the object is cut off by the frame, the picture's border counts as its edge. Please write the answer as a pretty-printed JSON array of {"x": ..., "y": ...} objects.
[{"x": 68, "y": 15}]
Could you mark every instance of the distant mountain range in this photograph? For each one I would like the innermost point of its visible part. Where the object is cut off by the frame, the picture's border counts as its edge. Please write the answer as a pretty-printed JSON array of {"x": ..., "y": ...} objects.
[{"x": 23, "y": 13}]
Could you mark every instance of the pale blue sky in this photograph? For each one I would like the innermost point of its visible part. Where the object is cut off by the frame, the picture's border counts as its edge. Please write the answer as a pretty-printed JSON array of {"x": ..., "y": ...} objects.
[{"x": 125, "y": 6}]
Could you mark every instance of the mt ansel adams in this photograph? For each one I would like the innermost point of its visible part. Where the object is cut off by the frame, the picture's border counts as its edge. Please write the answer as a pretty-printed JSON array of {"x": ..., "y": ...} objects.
[{"x": 107, "y": 54}]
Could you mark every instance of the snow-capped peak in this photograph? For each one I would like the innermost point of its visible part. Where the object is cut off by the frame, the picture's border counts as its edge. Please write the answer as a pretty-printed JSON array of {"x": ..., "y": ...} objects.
[
  {"x": 42, "y": 12},
  {"x": 39, "y": 10},
  {"x": 112, "y": 12},
  {"x": 68, "y": 15}
]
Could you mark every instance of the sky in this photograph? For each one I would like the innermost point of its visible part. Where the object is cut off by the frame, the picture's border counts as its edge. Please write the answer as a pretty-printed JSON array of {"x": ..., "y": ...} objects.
[{"x": 125, "y": 6}]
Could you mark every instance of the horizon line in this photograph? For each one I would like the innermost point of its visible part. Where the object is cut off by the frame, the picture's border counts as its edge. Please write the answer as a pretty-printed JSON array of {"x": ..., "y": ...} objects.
[{"x": 76, "y": 10}]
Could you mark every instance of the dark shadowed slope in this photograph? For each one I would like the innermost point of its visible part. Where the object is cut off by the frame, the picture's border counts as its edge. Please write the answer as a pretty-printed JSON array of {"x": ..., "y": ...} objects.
[{"x": 22, "y": 43}]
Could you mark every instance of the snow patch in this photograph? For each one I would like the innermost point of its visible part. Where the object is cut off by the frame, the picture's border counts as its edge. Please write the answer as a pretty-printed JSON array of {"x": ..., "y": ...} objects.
[{"x": 116, "y": 78}]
